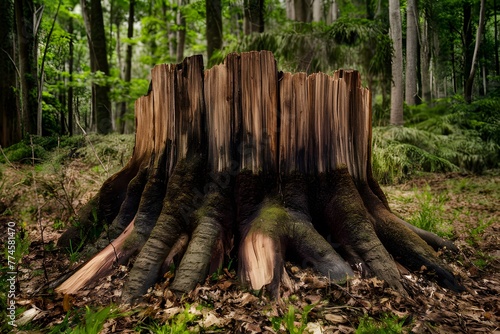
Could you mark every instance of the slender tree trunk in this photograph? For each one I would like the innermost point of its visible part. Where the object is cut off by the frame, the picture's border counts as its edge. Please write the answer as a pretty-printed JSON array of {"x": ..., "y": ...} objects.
[
  {"x": 397, "y": 64},
  {"x": 467, "y": 43},
  {"x": 453, "y": 69},
  {"x": 128, "y": 66},
  {"x": 497, "y": 61},
  {"x": 89, "y": 121},
  {"x": 214, "y": 27},
  {"x": 62, "y": 113},
  {"x": 479, "y": 33},
  {"x": 10, "y": 128},
  {"x": 254, "y": 16},
  {"x": 411, "y": 53},
  {"x": 41, "y": 74},
  {"x": 71, "y": 59},
  {"x": 27, "y": 43},
  {"x": 181, "y": 33},
  {"x": 98, "y": 36},
  {"x": 425, "y": 60},
  {"x": 303, "y": 10},
  {"x": 290, "y": 9}
]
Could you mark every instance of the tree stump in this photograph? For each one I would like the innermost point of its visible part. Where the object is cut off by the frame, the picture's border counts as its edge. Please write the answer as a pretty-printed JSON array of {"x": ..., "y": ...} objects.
[{"x": 243, "y": 159}]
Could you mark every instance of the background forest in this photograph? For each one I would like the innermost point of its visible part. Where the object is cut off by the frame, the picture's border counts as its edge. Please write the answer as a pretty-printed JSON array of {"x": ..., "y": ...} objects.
[{"x": 71, "y": 66}]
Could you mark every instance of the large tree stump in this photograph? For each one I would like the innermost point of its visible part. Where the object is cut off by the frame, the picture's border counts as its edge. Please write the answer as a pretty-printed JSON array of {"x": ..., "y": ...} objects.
[{"x": 271, "y": 163}]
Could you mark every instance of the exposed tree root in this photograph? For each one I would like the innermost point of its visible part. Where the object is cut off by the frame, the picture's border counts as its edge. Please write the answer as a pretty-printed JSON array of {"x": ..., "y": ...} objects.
[
  {"x": 352, "y": 226},
  {"x": 161, "y": 235},
  {"x": 404, "y": 244}
]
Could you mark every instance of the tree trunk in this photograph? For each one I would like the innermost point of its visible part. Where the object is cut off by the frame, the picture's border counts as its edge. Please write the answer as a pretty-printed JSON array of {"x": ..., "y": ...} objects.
[
  {"x": 425, "y": 61},
  {"x": 254, "y": 16},
  {"x": 397, "y": 64},
  {"x": 280, "y": 160},
  {"x": 27, "y": 45},
  {"x": 98, "y": 36},
  {"x": 127, "y": 78},
  {"x": 497, "y": 58},
  {"x": 9, "y": 118},
  {"x": 89, "y": 121},
  {"x": 181, "y": 33},
  {"x": 214, "y": 27},
  {"x": 467, "y": 47},
  {"x": 411, "y": 53},
  {"x": 470, "y": 79},
  {"x": 71, "y": 59}
]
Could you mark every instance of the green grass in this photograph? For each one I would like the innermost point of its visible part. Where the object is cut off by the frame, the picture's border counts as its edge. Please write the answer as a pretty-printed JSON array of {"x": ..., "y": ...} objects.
[
  {"x": 429, "y": 217},
  {"x": 289, "y": 320},
  {"x": 179, "y": 324},
  {"x": 387, "y": 324},
  {"x": 91, "y": 321}
]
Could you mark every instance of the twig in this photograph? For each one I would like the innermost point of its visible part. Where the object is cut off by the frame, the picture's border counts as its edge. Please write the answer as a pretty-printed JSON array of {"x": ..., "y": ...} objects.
[
  {"x": 7, "y": 159},
  {"x": 38, "y": 211}
]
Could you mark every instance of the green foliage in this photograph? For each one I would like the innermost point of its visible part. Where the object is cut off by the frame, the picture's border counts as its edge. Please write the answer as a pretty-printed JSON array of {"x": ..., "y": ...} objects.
[
  {"x": 388, "y": 324},
  {"x": 179, "y": 324},
  {"x": 91, "y": 322},
  {"x": 448, "y": 136},
  {"x": 289, "y": 320},
  {"x": 399, "y": 152},
  {"x": 429, "y": 217}
]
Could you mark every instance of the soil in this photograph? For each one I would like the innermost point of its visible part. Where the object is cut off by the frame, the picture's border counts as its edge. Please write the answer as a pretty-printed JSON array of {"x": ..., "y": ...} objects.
[{"x": 467, "y": 205}]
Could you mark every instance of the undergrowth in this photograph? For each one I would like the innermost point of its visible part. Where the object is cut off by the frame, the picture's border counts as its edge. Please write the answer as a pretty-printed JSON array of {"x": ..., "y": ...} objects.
[
  {"x": 448, "y": 136},
  {"x": 388, "y": 324}
]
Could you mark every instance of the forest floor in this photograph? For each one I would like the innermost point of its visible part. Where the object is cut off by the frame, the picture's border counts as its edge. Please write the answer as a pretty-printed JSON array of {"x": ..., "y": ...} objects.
[{"x": 465, "y": 207}]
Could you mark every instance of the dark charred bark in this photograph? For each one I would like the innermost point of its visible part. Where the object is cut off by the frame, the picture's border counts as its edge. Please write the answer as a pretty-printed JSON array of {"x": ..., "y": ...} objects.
[{"x": 276, "y": 164}]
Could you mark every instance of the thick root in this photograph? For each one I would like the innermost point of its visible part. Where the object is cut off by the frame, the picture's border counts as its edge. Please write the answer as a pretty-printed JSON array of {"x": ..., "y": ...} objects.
[
  {"x": 404, "y": 244},
  {"x": 270, "y": 233},
  {"x": 175, "y": 218},
  {"x": 211, "y": 240},
  {"x": 352, "y": 226}
]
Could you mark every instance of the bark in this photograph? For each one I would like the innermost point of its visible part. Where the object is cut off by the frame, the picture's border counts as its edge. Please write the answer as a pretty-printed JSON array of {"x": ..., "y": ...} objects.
[
  {"x": 397, "y": 63},
  {"x": 181, "y": 33},
  {"x": 497, "y": 58},
  {"x": 214, "y": 27},
  {"x": 27, "y": 48},
  {"x": 479, "y": 33},
  {"x": 71, "y": 59},
  {"x": 271, "y": 163},
  {"x": 41, "y": 75},
  {"x": 425, "y": 61},
  {"x": 99, "y": 53},
  {"x": 254, "y": 16},
  {"x": 411, "y": 53},
  {"x": 467, "y": 40},
  {"x": 127, "y": 77},
  {"x": 9, "y": 117}
]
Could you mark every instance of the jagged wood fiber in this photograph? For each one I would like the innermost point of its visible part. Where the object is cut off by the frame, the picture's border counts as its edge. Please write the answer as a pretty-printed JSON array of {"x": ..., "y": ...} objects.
[{"x": 275, "y": 163}]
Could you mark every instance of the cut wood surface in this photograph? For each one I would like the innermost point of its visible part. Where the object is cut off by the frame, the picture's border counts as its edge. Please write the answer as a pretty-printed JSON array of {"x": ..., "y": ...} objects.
[{"x": 242, "y": 158}]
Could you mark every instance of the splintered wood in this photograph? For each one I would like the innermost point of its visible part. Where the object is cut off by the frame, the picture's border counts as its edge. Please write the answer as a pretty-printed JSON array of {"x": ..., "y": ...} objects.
[{"x": 267, "y": 121}]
